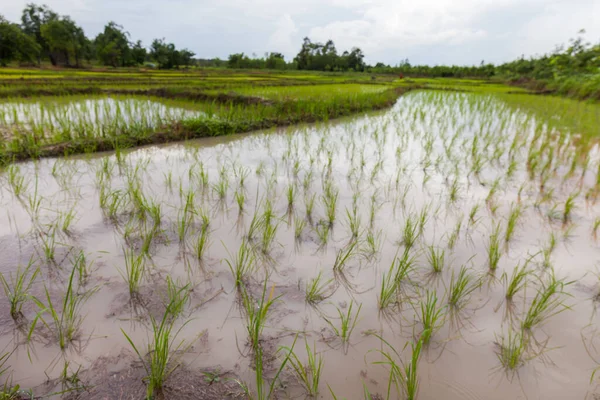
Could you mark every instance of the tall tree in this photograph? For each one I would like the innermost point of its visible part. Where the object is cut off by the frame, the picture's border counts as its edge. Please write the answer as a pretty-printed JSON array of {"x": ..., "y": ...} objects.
[
  {"x": 112, "y": 46},
  {"x": 15, "y": 44},
  {"x": 32, "y": 19}
]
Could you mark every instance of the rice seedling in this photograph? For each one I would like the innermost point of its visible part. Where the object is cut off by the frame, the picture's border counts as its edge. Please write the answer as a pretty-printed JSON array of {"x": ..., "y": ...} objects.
[
  {"x": 569, "y": 207},
  {"x": 66, "y": 321},
  {"x": 309, "y": 374},
  {"x": 83, "y": 268},
  {"x": 330, "y": 203},
  {"x": 494, "y": 250},
  {"x": 184, "y": 222},
  {"x": 309, "y": 204},
  {"x": 511, "y": 350},
  {"x": 410, "y": 233},
  {"x": 348, "y": 323},
  {"x": 511, "y": 225},
  {"x": 436, "y": 259},
  {"x": 242, "y": 264},
  {"x": 159, "y": 361},
  {"x": 546, "y": 303},
  {"x": 432, "y": 317},
  {"x": 373, "y": 243},
  {"x": 67, "y": 220},
  {"x": 240, "y": 199},
  {"x": 135, "y": 269},
  {"x": 220, "y": 188},
  {"x": 319, "y": 289},
  {"x": 516, "y": 282},
  {"x": 16, "y": 180},
  {"x": 454, "y": 236},
  {"x": 343, "y": 256},
  {"x": 49, "y": 244},
  {"x": 473, "y": 214},
  {"x": 202, "y": 242},
  {"x": 178, "y": 296},
  {"x": 291, "y": 196},
  {"x": 353, "y": 222},
  {"x": 256, "y": 313},
  {"x": 461, "y": 287},
  {"x": 299, "y": 225},
  {"x": 547, "y": 251},
  {"x": 17, "y": 287},
  {"x": 323, "y": 230},
  {"x": 269, "y": 233},
  {"x": 595, "y": 227}
]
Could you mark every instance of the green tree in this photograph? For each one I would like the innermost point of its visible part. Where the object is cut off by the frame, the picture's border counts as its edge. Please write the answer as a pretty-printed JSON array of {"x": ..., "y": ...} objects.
[
  {"x": 15, "y": 44},
  {"x": 32, "y": 19},
  {"x": 138, "y": 53},
  {"x": 65, "y": 40},
  {"x": 112, "y": 46}
]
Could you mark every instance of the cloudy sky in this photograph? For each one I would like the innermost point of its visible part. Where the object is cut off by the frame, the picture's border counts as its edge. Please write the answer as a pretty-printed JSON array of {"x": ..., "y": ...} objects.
[{"x": 424, "y": 31}]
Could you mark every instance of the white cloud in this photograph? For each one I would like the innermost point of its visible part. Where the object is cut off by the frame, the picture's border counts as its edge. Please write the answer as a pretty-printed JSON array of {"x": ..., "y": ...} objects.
[{"x": 282, "y": 39}]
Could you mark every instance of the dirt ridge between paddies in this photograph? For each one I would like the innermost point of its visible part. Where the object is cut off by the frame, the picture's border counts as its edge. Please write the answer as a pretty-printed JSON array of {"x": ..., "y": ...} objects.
[{"x": 194, "y": 128}]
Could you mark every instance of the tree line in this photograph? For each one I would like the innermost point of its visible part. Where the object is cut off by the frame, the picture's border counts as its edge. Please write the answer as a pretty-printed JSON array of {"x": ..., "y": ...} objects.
[{"x": 44, "y": 35}]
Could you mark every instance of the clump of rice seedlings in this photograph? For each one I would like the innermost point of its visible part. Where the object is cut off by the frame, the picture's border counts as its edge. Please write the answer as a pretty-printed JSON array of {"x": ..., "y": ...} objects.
[
  {"x": 159, "y": 361},
  {"x": 511, "y": 225},
  {"x": 269, "y": 233},
  {"x": 403, "y": 375},
  {"x": 547, "y": 251},
  {"x": 516, "y": 282},
  {"x": 461, "y": 287},
  {"x": 66, "y": 321},
  {"x": 432, "y": 316},
  {"x": 493, "y": 190},
  {"x": 16, "y": 288},
  {"x": 242, "y": 264},
  {"x": 453, "y": 191},
  {"x": 319, "y": 289},
  {"x": 309, "y": 204},
  {"x": 423, "y": 218},
  {"x": 546, "y": 303},
  {"x": 240, "y": 199},
  {"x": 595, "y": 227},
  {"x": 135, "y": 269},
  {"x": 323, "y": 230},
  {"x": 343, "y": 256},
  {"x": 454, "y": 236},
  {"x": 330, "y": 203},
  {"x": 49, "y": 244},
  {"x": 309, "y": 374},
  {"x": 83, "y": 268},
  {"x": 353, "y": 222},
  {"x": 569, "y": 207},
  {"x": 220, "y": 188},
  {"x": 436, "y": 258},
  {"x": 473, "y": 214},
  {"x": 291, "y": 196},
  {"x": 373, "y": 243},
  {"x": 184, "y": 221},
  {"x": 34, "y": 202},
  {"x": 299, "y": 225},
  {"x": 494, "y": 249},
  {"x": 16, "y": 180},
  {"x": 257, "y": 311},
  {"x": 511, "y": 350},
  {"x": 410, "y": 234},
  {"x": 390, "y": 282},
  {"x": 202, "y": 242},
  {"x": 67, "y": 220},
  {"x": 178, "y": 296},
  {"x": 348, "y": 322}
]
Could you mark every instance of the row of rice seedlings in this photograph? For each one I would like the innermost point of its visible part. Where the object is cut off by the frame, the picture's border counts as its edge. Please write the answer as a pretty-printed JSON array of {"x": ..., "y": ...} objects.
[{"x": 347, "y": 324}]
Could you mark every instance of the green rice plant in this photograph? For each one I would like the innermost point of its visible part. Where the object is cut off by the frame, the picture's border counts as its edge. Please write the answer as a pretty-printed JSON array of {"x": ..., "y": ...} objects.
[
  {"x": 269, "y": 233},
  {"x": 291, "y": 196},
  {"x": 83, "y": 268},
  {"x": 454, "y": 191},
  {"x": 432, "y": 316},
  {"x": 460, "y": 289},
  {"x": 516, "y": 282},
  {"x": 410, "y": 234},
  {"x": 242, "y": 264},
  {"x": 16, "y": 180},
  {"x": 184, "y": 222},
  {"x": 511, "y": 350},
  {"x": 343, "y": 256},
  {"x": 67, "y": 220},
  {"x": 348, "y": 323},
  {"x": 240, "y": 199},
  {"x": 454, "y": 236},
  {"x": 547, "y": 251},
  {"x": 309, "y": 204},
  {"x": 423, "y": 217},
  {"x": 569, "y": 207},
  {"x": 353, "y": 222},
  {"x": 135, "y": 270},
  {"x": 16, "y": 288},
  {"x": 373, "y": 243},
  {"x": 546, "y": 303},
  {"x": 66, "y": 322},
  {"x": 309, "y": 374},
  {"x": 436, "y": 258},
  {"x": 257, "y": 311},
  {"x": 178, "y": 296},
  {"x": 595, "y": 227},
  {"x": 511, "y": 225},
  {"x": 389, "y": 286},
  {"x": 494, "y": 251},
  {"x": 318, "y": 289},
  {"x": 220, "y": 188},
  {"x": 34, "y": 202},
  {"x": 473, "y": 214},
  {"x": 330, "y": 203},
  {"x": 202, "y": 242},
  {"x": 299, "y": 225},
  {"x": 49, "y": 244},
  {"x": 159, "y": 361}
]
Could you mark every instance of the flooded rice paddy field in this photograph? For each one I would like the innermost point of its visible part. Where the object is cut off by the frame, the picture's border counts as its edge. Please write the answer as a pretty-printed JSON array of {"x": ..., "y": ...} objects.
[{"x": 452, "y": 228}]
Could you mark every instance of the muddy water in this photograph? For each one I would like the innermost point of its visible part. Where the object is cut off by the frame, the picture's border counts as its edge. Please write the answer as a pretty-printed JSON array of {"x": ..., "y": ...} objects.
[{"x": 398, "y": 164}]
